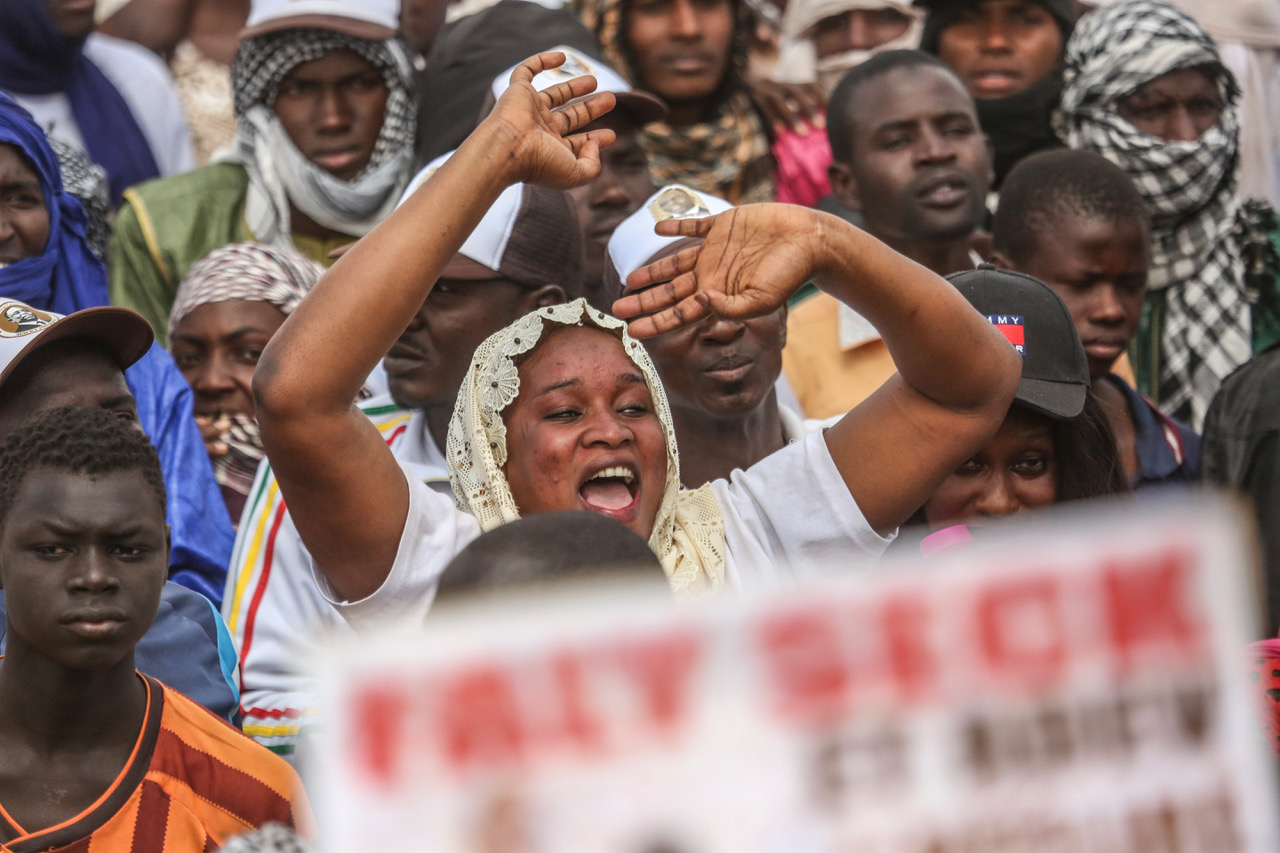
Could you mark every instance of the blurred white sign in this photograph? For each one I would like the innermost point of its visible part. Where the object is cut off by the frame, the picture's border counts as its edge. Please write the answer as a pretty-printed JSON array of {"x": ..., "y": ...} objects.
[{"x": 1078, "y": 686}]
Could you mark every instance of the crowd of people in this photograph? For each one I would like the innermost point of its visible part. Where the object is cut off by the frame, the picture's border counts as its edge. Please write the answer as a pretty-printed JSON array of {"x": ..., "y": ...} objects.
[{"x": 313, "y": 310}]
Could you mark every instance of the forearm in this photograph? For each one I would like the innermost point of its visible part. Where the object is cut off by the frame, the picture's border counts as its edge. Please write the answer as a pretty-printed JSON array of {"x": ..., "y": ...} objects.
[
  {"x": 942, "y": 348},
  {"x": 328, "y": 346}
]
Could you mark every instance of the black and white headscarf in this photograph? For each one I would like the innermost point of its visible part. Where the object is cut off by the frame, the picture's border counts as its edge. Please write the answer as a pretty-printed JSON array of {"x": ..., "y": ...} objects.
[
  {"x": 1190, "y": 188},
  {"x": 279, "y": 175}
]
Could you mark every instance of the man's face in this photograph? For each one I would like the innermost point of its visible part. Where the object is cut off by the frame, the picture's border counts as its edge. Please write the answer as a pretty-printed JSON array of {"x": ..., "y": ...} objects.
[
  {"x": 617, "y": 192},
  {"x": 1176, "y": 107},
  {"x": 426, "y": 365},
  {"x": 66, "y": 373},
  {"x": 722, "y": 368},
  {"x": 333, "y": 108},
  {"x": 1099, "y": 268},
  {"x": 858, "y": 29},
  {"x": 83, "y": 560},
  {"x": 681, "y": 48},
  {"x": 921, "y": 167},
  {"x": 73, "y": 18},
  {"x": 1001, "y": 47},
  {"x": 24, "y": 220}
]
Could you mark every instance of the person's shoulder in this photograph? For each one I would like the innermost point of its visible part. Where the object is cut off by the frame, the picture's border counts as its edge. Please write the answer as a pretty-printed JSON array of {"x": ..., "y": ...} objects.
[
  {"x": 214, "y": 180},
  {"x": 121, "y": 56},
  {"x": 191, "y": 735}
]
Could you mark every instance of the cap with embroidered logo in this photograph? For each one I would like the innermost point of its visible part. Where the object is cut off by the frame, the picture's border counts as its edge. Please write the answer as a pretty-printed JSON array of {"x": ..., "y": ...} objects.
[
  {"x": 634, "y": 244},
  {"x": 366, "y": 19},
  {"x": 530, "y": 235},
  {"x": 642, "y": 106},
  {"x": 1055, "y": 373},
  {"x": 124, "y": 334}
]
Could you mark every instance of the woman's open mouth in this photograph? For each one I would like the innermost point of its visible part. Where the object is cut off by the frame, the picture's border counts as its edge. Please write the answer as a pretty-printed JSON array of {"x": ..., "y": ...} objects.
[{"x": 612, "y": 491}]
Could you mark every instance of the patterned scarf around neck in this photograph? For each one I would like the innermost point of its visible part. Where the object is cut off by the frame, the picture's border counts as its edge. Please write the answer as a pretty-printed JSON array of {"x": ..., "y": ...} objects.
[
  {"x": 728, "y": 155},
  {"x": 1190, "y": 188}
]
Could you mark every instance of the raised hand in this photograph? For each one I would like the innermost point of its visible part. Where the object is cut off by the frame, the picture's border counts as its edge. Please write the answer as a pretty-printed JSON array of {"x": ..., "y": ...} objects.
[
  {"x": 542, "y": 125},
  {"x": 751, "y": 260}
]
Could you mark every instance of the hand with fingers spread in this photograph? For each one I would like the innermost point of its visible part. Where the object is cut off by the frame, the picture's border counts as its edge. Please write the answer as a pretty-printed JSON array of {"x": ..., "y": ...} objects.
[
  {"x": 751, "y": 260},
  {"x": 542, "y": 125}
]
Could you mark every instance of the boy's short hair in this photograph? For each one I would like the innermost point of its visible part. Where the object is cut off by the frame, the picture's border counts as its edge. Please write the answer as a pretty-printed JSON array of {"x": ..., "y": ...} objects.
[
  {"x": 840, "y": 113},
  {"x": 1045, "y": 187},
  {"x": 81, "y": 440},
  {"x": 548, "y": 547}
]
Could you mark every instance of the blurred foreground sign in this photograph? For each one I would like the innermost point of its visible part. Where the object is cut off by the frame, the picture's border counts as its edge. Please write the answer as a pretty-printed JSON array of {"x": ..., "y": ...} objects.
[{"x": 1074, "y": 687}]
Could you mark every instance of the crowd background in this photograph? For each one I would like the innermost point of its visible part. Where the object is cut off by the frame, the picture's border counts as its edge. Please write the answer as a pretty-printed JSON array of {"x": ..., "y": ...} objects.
[{"x": 1099, "y": 181}]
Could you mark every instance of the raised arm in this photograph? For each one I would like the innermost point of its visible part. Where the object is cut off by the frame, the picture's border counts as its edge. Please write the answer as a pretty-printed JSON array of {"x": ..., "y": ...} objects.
[
  {"x": 344, "y": 489},
  {"x": 956, "y": 373}
]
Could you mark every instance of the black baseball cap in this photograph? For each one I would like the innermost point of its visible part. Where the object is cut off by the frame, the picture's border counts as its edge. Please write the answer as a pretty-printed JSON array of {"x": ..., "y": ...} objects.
[{"x": 1055, "y": 373}]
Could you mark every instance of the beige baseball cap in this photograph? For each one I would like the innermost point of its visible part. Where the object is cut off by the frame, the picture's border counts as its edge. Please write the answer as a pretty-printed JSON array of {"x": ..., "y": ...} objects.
[{"x": 125, "y": 334}]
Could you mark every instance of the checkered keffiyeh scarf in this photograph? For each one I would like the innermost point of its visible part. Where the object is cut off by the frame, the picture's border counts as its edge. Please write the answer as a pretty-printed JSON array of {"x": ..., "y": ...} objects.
[
  {"x": 1190, "y": 188},
  {"x": 279, "y": 176}
]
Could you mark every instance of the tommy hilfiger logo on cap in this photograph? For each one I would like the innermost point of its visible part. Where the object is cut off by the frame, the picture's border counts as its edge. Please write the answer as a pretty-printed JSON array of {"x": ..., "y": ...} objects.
[
  {"x": 677, "y": 203},
  {"x": 18, "y": 320},
  {"x": 1013, "y": 328}
]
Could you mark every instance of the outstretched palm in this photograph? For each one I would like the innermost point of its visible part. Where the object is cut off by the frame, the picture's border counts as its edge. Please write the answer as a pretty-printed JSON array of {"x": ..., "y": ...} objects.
[
  {"x": 548, "y": 150},
  {"x": 750, "y": 261}
]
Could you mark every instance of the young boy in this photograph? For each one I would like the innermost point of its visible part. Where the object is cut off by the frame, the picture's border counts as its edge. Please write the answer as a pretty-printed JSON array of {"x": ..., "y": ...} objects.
[
  {"x": 1075, "y": 221},
  {"x": 94, "y": 754}
]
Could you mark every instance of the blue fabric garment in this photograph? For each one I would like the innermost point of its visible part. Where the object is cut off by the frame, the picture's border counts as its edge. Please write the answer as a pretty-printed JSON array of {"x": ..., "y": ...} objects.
[
  {"x": 188, "y": 648},
  {"x": 1159, "y": 442},
  {"x": 35, "y": 59},
  {"x": 67, "y": 276},
  {"x": 201, "y": 530}
]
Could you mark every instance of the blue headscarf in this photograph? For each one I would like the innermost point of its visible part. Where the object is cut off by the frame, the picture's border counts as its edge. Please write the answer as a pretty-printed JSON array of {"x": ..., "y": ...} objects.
[
  {"x": 35, "y": 59},
  {"x": 67, "y": 276}
]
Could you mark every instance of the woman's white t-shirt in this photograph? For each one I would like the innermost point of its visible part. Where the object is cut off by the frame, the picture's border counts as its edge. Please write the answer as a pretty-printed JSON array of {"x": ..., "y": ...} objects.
[{"x": 788, "y": 518}]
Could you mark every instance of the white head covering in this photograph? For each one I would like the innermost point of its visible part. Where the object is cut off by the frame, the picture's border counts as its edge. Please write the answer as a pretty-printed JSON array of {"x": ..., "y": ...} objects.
[
  {"x": 688, "y": 531},
  {"x": 798, "y": 60}
]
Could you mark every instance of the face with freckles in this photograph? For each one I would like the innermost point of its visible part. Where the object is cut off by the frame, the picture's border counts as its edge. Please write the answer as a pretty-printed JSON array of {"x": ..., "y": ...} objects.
[{"x": 584, "y": 434}]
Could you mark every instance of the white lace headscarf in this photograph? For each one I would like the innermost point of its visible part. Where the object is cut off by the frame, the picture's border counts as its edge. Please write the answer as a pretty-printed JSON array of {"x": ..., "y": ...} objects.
[
  {"x": 688, "y": 532},
  {"x": 280, "y": 176},
  {"x": 1190, "y": 188}
]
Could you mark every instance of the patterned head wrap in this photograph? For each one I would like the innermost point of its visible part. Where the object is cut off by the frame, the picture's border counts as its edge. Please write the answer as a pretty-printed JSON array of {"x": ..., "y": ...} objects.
[
  {"x": 279, "y": 175},
  {"x": 1190, "y": 188},
  {"x": 249, "y": 272},
  {"x": 727, "y": 155},
  {"x": 688, "y": 532}
]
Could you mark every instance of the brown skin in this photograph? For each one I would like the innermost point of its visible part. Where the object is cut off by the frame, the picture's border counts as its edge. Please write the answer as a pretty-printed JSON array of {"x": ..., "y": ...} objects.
[
  {"x": 213, "y": 26},
  {"x": 420, "y": 23},
  {"x": 858, "y": 29},
  {"x": 681, "y": 50},
  {"x": 1177, "y": 107},
  {"x": 584, "y": 407},
  {"x": 956, "y": 373},
  {"x": 920, "y": 169},
  {"x": 217, "y": 346},
  {"x": 1001, "y": 48},
  {"x": 83, "y": 560},
  {"x": 65, "y": 373},
  {"x": 1099, "y": 268},
  {"x": 73, "y": 18},
  {"x": 24, "y": 220},
  {"x": 1016, "y": 471},
  {"x": 617, "y": 192},
  {"x": 351, "y": 507},
  {"x": 719, "y": 376},
  {"x": 426, "y": 364}
]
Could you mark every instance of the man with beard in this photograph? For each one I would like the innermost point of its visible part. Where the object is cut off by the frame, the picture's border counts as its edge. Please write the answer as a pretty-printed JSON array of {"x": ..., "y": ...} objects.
[
  {"x": 525, "y": 254},
  {"x": 911, "y": 160}
]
